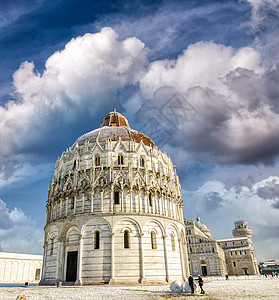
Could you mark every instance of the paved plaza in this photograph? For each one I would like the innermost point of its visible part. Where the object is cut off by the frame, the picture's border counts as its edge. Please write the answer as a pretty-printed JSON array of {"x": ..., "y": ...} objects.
[{"x": 216, "y": 289}]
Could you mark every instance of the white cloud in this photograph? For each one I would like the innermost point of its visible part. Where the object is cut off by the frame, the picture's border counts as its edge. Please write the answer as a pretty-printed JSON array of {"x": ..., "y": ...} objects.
[
  {"x": 18, "y": 232},
  {"x": 260, "y": 10},
  {"x": 219, "y": 207},
  {"x": 24, "y": 172},
  {"x": 85, "y": 76},
  {"x": 235, "y": 120}
]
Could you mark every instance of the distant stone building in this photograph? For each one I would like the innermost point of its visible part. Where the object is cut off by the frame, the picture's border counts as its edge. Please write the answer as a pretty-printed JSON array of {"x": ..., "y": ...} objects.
[
  {"x": 114, "y": 211},
  {"x": 15, "y": 267},
  {"x": 211, "y": 257}
]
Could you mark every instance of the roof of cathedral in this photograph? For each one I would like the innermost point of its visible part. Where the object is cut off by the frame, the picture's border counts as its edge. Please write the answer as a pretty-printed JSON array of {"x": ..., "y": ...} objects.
[
  {"x": 200, "y": 224},
  {"x": 115, "y": 126}
]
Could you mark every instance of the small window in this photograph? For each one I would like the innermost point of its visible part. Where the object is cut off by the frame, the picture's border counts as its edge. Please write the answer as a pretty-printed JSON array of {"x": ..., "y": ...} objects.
[
  {"x": 153, "y": 240},
  {"x": 150, "y": 199},
  {"x": 235, "y": 252},
  {"x": 142, "y": 162},
  {"x": 172, "y": 242},
  {"x": 120, "y": 160},
  {"x": 116, "y": 198},
  {"x": 51, "y": 245},
  {"x": 97, "y": 240},
  {"x": 97, "y": 160},
  {"x": 234, "y": 264},
  {"x": 126, "y": 239}
]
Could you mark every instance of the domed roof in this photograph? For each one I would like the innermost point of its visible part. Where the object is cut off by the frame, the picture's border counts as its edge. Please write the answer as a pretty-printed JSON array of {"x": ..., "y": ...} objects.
[
  {"x": 200, "y": 224},
  {"x": 114, "y": 126},
  {"x": 114, "y": 119}
]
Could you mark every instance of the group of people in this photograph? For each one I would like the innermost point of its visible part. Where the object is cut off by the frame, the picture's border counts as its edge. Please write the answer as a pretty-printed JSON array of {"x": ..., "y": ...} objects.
[{"x": 191, "y": 284}]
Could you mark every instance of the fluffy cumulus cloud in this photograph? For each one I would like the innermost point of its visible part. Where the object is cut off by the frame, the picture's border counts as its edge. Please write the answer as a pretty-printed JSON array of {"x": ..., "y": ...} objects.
[
  {"x": 256, "y": 203},
  {"x": 18, "y": 232},
  {"x": 81, "y": 79},
  {"x": 218, "y": 100},
  {"x": 227, "y": 97}
]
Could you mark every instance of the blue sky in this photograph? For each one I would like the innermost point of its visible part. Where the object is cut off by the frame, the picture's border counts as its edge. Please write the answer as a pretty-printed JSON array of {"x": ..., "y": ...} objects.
[{"x": 200, "y": 77}]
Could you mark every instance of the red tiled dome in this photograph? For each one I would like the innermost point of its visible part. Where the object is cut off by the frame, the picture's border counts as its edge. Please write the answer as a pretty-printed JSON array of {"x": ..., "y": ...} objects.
[{"x": 114, "y": 126}]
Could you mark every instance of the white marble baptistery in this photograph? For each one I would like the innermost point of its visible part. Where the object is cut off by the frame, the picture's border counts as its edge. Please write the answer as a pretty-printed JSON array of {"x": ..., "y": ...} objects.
[{"x": 114, "y": 211}]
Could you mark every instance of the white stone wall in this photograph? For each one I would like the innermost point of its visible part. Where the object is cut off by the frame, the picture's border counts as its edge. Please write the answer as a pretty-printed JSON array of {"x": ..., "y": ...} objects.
[
  {"x": 15, "y": 268},
  {"x": 112, "y": 262},
  {"x": 81, "y": 201}
]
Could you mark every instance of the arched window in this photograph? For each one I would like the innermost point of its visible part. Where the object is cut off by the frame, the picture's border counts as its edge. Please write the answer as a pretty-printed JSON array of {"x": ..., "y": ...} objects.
[
  {"x": 97, "y": 160},
  {"x": 120, "y": 159},
  {"x": 126, "y": 239},
  {"x": 142, "y": 162},
  {"x": 150, "y": 199},
  {"x": 97, "y": 239},
  {"x": 116, "y": 198},
  {"x": 153, "y": 240},
  {"x": 172, "y": 242}
]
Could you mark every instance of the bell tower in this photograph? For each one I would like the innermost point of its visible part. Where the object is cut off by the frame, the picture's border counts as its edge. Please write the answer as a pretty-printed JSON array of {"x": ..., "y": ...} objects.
[{"x": 241, "y": 230}]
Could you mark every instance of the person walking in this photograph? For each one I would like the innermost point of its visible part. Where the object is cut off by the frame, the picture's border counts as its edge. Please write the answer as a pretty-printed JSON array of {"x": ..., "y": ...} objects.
[
  {"x": 200, "y": 280},
  {"x": 191, "y": 283}
]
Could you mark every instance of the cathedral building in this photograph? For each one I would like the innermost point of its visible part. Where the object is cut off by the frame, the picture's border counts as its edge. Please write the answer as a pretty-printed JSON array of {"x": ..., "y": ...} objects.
[
  {"x": 211, "y": 257},
  {"x": 114, "y": 211}
]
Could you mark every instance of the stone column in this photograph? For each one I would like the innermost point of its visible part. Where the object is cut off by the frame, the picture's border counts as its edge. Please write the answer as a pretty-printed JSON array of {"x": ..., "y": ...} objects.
[
  {"x": 47, "y": 218},
  {"x": 83, "y": 199},
  {"x": 44, "y": 264},
  {"x": 155, "y": 204},
  {"x": 92, "y": 203},
  {"x": 121, "y": 200},
  {"x": 60, "y": 208},
  {"x": 173, "y": 209},
  {"x": 79, "y": 265},
  {"x": 166, "y": 257},
  {"x": 112, "y": 280},
  {"x": 160, "y": 204},
  {"x": 145, "y": 202},
  {"x": 181, "y": 260},
  {"x": 139, "y": 200},
  {"x": 166, "y": 205},
  {"x": 55, "y": 210},
  {"x": 102, "y": 201},
  {"x": 131, "y": 199},
  {"x": 111, "y": 199},
  {"x": 142, "y": 279},
  {"x": 59, "y": 259},
  {"x": 75, "y": 203},
  {"x": 67, "y": 205}
]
